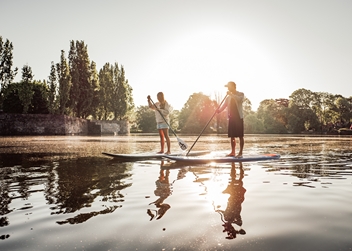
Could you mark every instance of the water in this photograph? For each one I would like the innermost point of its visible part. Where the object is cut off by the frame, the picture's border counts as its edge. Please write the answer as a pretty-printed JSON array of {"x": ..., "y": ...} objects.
[{"x": 61, "y": 193}]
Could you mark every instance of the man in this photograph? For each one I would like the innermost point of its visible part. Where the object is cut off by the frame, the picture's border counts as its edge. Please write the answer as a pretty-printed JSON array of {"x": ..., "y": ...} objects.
[{"x": 235, "y": 117}]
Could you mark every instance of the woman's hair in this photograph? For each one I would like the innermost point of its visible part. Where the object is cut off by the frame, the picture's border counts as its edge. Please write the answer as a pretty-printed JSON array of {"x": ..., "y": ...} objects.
[{"x": 161, "y": 99}]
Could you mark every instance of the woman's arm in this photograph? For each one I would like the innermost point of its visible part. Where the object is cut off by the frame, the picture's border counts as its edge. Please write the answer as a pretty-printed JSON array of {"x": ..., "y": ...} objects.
[
  {"x": 151, "y": 106},
  {"x": 167, "y": 109}
]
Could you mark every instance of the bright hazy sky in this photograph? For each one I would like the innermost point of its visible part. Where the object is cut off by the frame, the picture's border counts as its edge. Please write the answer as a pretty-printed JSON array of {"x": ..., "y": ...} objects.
[{"x": 270, "y": 48}]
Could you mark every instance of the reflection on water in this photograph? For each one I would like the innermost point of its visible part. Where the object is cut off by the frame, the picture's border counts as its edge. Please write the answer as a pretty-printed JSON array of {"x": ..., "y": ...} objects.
[
  {"x": 163, "y": 190},
  {"x": 232, "y": 213},
  {"x": 81, "y": 196},
  {"x": 77, "y": 188},
  {"x": 67, "y": 186}
]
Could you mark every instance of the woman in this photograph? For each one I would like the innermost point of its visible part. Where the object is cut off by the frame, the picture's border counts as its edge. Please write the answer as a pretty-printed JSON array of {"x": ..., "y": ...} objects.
[{"x": 162, "y": 110}]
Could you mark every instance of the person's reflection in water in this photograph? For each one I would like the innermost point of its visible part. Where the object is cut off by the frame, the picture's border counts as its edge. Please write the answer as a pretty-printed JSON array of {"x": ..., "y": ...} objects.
[
  {"x": 163, "y": 190},
  {"x": 232, "y": 213}
]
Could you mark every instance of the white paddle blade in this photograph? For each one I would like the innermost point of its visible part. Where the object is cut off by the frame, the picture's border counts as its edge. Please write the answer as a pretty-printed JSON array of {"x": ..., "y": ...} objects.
[{"x": 182, "y": 144}]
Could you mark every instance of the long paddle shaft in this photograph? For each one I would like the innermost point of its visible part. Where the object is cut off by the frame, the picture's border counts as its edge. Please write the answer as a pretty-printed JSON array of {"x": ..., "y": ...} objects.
[
  {"x": 206, "y": 125},
  {"x": 181, "y": 143}
]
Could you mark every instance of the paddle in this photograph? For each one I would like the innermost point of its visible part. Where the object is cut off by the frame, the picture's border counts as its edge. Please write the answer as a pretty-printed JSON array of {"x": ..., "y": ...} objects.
[
  {"x": 206, "y": 125},
  {"x": 181, "y": 143}
]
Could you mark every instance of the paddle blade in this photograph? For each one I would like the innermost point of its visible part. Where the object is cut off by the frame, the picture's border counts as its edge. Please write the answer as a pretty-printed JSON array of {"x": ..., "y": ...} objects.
[{"x": 182, "y": 144}]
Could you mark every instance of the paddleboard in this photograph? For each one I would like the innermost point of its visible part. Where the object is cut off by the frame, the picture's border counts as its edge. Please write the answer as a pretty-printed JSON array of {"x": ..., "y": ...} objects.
[
  {"x": 221, "y": 159},
  {"x": 146, "y": 156}
]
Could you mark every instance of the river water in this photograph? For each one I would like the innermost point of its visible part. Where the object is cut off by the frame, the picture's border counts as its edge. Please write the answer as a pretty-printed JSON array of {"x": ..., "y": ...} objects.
[{"x": 61, "y": 193}]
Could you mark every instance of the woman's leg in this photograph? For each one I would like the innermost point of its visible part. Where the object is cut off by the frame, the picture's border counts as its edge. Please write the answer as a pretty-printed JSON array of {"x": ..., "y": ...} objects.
[
  {"x": 162, "y": 140},
  {"x": 167, "y": 138}
]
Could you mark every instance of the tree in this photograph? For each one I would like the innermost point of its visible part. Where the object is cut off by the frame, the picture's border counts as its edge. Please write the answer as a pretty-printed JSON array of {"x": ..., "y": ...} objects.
[
  {"x": 343, "y": 109},
  {"x": 145, "y": 119},
  {"x": 64, "y": 82},
  {"x": 7, "y": 75},
  {"x": 53, "y": 93},
  {"x": 301, "y": 111},
  {"x": 115, "y": 94},
  {"x": 322, "y": 104},
  {"x": 25, "y": 92},
  {"x": 247, "y": 106},
  {"x": 122, "y": 103},
  {"x": 106, "y": 81},
  {"x": 196, "y": 113},
  {"x": 82, "y": 90},
  {"x": 38, "y": 103},
  {"x": 302, "y": 98},
  {"x": 272, "y": 116},
  {"x": 94, "y": 81},
  {"x": 252, "y": 124},
  {"x": 12, "y": 102}
]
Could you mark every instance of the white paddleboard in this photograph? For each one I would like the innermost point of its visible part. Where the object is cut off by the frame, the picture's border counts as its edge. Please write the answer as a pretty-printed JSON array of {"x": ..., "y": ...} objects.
[
  {"x": 146, "y": 156},
  {"x": 222, "y": 159}
]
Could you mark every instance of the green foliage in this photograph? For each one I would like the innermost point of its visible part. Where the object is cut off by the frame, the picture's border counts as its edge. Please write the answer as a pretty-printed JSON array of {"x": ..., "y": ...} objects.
[
  {"x": 52, "y": 93},
  {"x": 82, "y": 90},
  {"x": 343, "y": 108},
  {"x": 272, "y": 116},
  {"x": 65, "y": 84},
  {"x": 295, "y": 123},
  {"x": 38, "y": 103},
  {"x": 25, "y": 92},
  {"x": 323, "y": 104},
  {"x": 122, "y": 104},
  {"x": 94, "y": 80},
  {"x": 7, "y": 75},
  {"x": 12, "y": 102},
  {"x": 145, "y": 118},
  {"x": 115, "y": 94},
  {"x": 196, "y": 113},
  {"x": 302, "y": 98},
  {"x": 247, "y": 106},
  {"x": 252, "y": 124},
  {"x": 174, "y": 120},
  {"x": 106, "y": 80}
]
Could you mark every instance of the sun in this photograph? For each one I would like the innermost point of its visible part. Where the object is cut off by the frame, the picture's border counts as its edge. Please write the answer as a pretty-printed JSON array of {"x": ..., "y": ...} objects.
[{"x": 205, "y": 60}]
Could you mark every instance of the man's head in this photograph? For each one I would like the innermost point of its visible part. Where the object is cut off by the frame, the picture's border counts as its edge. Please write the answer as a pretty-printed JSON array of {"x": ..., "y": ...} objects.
[{"x": 231, "y": 86}]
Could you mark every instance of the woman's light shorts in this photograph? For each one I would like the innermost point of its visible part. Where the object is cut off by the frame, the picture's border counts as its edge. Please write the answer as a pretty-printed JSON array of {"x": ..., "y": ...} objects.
[{"x": 162, "y": 126}]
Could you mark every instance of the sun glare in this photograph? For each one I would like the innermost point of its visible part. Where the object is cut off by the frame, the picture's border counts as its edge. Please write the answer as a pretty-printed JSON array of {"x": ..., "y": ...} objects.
[{"x": 204, "y": 61}]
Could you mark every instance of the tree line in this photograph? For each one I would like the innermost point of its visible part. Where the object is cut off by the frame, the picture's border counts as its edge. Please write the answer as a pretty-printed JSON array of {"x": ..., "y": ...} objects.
[
  {"x": 303, "y": 111},
  {"x": 76, "y": 88}
]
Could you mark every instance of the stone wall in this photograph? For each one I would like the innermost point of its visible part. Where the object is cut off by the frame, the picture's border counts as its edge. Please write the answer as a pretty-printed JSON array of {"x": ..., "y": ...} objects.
[
  {"x": 41, "y": 124},
  {"x": 48, "y": 124},
  {"x": 114, "y": 127}
]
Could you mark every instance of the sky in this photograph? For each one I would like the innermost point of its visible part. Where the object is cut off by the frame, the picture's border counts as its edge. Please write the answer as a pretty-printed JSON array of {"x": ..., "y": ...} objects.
[{"x": 270, "y": 48}]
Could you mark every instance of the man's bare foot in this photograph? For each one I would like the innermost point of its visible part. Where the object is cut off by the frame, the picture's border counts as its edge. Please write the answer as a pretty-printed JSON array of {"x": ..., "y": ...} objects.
[
  {"x": 239, "y": 155},
  {"x": 230, "y": 155},
  {"x": 168, "y": 153},
  {"x": 160, "y": 152}
]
